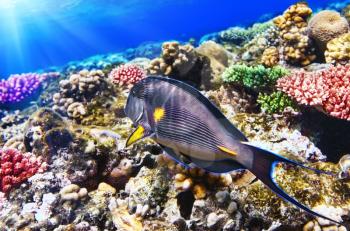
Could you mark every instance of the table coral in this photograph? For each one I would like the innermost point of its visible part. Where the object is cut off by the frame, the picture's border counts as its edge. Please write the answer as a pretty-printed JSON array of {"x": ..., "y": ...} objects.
[
  {"x": 16, "y": 167},
  {"x": 297, "y": 46},
  {"x": 327, "y": 89},
  {"x": 338, "y": 49},
  {"x": 127, "y": 74},
  {"x": 325, "y": 26}
]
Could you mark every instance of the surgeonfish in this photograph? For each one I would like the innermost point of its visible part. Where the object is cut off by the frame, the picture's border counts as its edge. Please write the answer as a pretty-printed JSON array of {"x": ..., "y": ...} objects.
[{"x": 191, "y": 129}]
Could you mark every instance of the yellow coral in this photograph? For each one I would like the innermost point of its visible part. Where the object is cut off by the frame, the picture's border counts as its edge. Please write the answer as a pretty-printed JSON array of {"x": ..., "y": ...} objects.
[
  {"x": 270, "y": 57},
  {"x": 338, "y": 49},
  {"x": 292, "y": 27}
]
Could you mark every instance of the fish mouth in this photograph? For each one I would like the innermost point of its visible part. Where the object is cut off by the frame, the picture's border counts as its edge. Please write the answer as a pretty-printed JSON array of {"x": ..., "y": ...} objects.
[{"x": 135, "y": 136}]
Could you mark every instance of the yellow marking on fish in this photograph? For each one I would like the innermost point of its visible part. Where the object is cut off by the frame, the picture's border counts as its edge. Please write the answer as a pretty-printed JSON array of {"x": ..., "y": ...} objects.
[
  {"x": 158, "y": 114},
  {"x": 136, "y": 135},
  {"x": 232, "y": 153}
]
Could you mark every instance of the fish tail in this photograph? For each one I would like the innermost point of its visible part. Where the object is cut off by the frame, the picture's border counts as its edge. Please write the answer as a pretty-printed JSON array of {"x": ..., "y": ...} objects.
[{"x": 263, "y": 166}]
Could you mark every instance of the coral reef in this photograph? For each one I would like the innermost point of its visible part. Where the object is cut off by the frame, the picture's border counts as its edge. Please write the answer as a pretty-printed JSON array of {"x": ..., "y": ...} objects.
[
  {"x": 127, "y": 74},
  {"x": 325, "y": 26},
  {"x": 338, "y": 49},
  {"x": 16, "y": 167},
  {"x": 327, "y": 90},
  {"x": 64, "y": 165},
  {"x": 292, "y": 25}
]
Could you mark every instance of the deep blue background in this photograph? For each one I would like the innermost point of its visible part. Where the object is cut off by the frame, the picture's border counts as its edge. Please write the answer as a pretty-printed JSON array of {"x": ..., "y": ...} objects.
[{"x": 41, "y": 33}]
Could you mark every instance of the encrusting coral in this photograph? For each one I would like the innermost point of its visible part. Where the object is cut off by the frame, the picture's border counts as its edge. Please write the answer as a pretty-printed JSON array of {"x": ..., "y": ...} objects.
[
  {"x": 325, "y": 26},
  {"x": 327, "y": 90},
  {"x": 338, "y": 50},
  {"x": 297, "y": 46}
]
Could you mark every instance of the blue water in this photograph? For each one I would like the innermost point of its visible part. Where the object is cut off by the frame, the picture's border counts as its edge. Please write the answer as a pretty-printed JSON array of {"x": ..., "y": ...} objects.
[{"x": 41, "y": 33}]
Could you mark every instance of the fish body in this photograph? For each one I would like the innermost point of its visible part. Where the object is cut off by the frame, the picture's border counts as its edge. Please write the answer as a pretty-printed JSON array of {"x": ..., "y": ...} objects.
[{"x": 192, "y": 130}]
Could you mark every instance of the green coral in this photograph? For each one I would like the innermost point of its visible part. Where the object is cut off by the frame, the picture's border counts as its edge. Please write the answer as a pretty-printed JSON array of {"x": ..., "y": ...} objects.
[
  {"x": 253, "y": 76},
  {"x": 275, "y": 102}
]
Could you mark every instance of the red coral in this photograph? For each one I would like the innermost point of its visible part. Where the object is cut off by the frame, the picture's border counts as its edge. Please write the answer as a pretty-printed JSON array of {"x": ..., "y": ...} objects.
[
  {"x": 16, "y": 167},
  {"x": 127, "y": 74},
  {"x": 327, "y": 89}
]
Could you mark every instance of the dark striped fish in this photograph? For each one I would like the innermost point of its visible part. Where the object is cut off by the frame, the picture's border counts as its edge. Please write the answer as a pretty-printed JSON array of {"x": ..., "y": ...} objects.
[{"x": 192, "y": 130}]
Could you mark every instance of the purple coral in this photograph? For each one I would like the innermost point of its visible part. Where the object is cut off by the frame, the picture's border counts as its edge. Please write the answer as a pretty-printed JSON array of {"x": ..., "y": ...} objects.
[{"x": 18, "y": 87}]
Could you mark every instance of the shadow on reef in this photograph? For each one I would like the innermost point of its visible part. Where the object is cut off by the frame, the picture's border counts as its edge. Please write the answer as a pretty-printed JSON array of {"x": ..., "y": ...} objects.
[{"x": 332, "y": 134}]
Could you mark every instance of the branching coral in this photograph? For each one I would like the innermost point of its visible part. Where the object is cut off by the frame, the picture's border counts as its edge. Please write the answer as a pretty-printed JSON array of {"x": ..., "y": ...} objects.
[
  {"x": 78, "y": 90},
  {"x": 253, "y": 77},
  {"x": 327, "y": 89},
  {"x": 293, "y": 34},
  {"x": 182, "y": 62},
  {"x": 338, "y": 49},
  {"x": 175, "y": 59},
  {"x": 270, "y": 57},
  {"x": 325, "y": 26},
  {"x": 276, "y": 102},
  {"x": 16, "y": 167},
  {"x": 18, "y": 87},
  {"x": 127, "y": 74}
]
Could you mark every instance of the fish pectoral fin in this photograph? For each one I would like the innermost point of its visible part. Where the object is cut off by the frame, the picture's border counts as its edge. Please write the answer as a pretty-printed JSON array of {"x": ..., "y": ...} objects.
[
  {"x": 139, "y": 133},
  {"x": 228, "y": 151}
]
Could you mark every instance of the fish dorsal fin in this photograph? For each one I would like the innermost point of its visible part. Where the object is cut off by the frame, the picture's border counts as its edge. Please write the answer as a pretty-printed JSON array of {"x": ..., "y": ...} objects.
[{"x": 200, "y": 97}]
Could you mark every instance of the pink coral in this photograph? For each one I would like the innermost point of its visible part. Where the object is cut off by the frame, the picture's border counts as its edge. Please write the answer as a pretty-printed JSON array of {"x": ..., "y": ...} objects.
[
  {"x": 327, "y": 89},
  {"x": 16, "y": 167},
  {"x": 127, "y": 74}
]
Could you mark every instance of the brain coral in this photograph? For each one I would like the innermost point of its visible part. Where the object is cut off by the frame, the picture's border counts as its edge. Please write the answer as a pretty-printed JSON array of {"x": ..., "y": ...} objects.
[
  {"x": 292, "y": 27},
  {"x": 325, "y": 26},
  {"x": 338, "y": 49},
  {"x": 328, "y": 90}
]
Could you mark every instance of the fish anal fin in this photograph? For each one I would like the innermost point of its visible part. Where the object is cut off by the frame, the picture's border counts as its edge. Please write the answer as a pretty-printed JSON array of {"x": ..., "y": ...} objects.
[{"x": 228, "y": 151}]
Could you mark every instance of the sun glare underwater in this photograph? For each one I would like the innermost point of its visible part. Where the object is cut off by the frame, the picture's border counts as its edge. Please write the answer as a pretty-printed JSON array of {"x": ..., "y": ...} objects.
[{"x": 174, "y": 115}]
